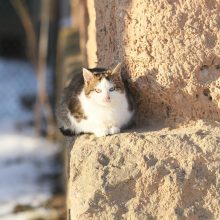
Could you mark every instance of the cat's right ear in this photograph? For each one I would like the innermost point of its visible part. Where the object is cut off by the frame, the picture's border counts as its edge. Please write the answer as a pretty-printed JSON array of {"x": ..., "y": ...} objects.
[
  {"x": 117, "y": 69},
  {"x": 87, "y": 75}
]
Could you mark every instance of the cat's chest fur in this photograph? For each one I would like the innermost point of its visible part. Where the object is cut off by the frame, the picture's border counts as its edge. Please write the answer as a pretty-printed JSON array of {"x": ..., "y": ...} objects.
[
  {"x": 102, "y": 120},
  {"x": 114, "y": 113}
]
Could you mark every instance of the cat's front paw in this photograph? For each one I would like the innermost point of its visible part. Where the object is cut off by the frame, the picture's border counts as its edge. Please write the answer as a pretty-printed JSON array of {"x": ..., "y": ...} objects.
[
  {"x": 101, "y": 132},
  {"x": 114, "y": 130}
]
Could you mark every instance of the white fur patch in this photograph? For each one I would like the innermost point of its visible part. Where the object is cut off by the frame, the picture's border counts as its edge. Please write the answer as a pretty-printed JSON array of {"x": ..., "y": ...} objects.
[{"x": 103, "y": 117}]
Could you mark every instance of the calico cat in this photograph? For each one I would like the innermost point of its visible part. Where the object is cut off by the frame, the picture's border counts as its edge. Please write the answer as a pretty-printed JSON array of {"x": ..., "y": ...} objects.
[{"x": 96, "y": 101}]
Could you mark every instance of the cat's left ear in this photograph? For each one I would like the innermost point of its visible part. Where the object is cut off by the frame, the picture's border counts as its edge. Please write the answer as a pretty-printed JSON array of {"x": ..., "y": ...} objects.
[
  {"x": 87, "y": 75},
  {"x": 117, "y": 70}
]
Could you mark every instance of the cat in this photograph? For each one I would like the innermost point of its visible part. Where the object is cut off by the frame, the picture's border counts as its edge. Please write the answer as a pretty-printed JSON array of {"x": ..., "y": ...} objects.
[{"x": 96, "y": 101}]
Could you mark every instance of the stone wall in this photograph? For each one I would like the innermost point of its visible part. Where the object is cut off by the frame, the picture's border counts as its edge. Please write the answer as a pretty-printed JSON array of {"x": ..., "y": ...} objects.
[
  {"x": 153, "y": 174},
  {"x": 170, "y": 50}
]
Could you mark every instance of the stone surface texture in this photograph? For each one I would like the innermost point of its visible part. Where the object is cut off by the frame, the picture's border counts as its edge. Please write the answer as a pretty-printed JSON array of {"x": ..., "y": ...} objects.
[
  {"x": 170, "y": 50},
  {"x": 169, "y": 174}
]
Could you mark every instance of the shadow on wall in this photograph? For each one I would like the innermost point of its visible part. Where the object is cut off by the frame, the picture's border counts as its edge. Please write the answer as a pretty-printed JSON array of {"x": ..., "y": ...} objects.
[
  {"x": 188, "y": 94},
  {"x": 179, "y": 101},
  {"x": 105, "y": 36}
]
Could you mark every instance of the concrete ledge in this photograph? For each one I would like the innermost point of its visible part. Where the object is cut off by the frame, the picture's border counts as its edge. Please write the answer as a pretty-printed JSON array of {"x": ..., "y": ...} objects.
[{"x": 157, "y": 174}]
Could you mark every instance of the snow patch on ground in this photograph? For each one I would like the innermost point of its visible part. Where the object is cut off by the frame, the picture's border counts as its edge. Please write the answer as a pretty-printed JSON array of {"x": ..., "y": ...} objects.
[
  {"x": 34, "y": 214},
  {"x": 27, "y": 162},
  {"x": 18, "y": 78}
]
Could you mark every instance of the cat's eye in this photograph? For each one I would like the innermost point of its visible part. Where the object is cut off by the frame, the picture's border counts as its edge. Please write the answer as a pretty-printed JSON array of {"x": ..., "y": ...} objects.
[
  {"x": 98, "y": 90},
  {"x": 112, "y": 89}
]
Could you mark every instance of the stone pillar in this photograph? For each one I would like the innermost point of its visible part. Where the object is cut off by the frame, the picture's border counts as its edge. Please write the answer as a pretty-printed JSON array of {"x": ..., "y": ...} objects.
[{"x": 170, "y": 51}]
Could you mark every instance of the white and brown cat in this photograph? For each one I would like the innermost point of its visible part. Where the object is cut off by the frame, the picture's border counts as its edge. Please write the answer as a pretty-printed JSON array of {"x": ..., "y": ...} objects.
[{"x": 96, "y": 101}]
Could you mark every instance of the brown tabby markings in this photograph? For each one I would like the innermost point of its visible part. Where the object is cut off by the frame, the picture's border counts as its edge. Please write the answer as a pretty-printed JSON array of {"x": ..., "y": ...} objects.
[
  {"x": 99, "y": 76},
  {"x": 71, "y": 97},
  {"x": 76, "y": 109},
  {"x": 119, "y": 85}
]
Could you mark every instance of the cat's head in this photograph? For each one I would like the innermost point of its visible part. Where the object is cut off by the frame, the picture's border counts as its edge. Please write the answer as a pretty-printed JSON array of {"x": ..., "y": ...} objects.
[{"x": 103, "y": 87}]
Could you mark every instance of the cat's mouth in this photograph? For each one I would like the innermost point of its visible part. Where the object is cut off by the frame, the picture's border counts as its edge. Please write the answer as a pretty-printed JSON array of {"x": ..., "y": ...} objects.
[
  {"x": 106, "y": 99},
  {"x": 105, "y": 102}
]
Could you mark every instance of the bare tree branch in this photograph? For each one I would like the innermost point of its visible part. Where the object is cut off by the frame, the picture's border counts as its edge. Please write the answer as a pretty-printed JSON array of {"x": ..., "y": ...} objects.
[
  {"x": 43, "y": 108},
  {"x": 25, "y": 17},
  {"x": 42, "y": 64}
]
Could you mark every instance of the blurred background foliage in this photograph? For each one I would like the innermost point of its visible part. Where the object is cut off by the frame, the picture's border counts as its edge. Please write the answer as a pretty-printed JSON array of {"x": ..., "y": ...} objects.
[
  {"x": 44, "y": 34},
  {"x": 39, "y": 52}
]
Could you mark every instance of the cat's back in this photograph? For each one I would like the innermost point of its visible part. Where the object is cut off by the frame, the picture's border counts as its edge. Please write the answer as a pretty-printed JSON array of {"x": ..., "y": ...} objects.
[{"x": 75, "y": 86}]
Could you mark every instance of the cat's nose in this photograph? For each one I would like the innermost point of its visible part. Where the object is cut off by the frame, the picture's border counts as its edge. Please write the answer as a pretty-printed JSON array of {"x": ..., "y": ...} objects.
[{"x": 107, "y": 98}]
